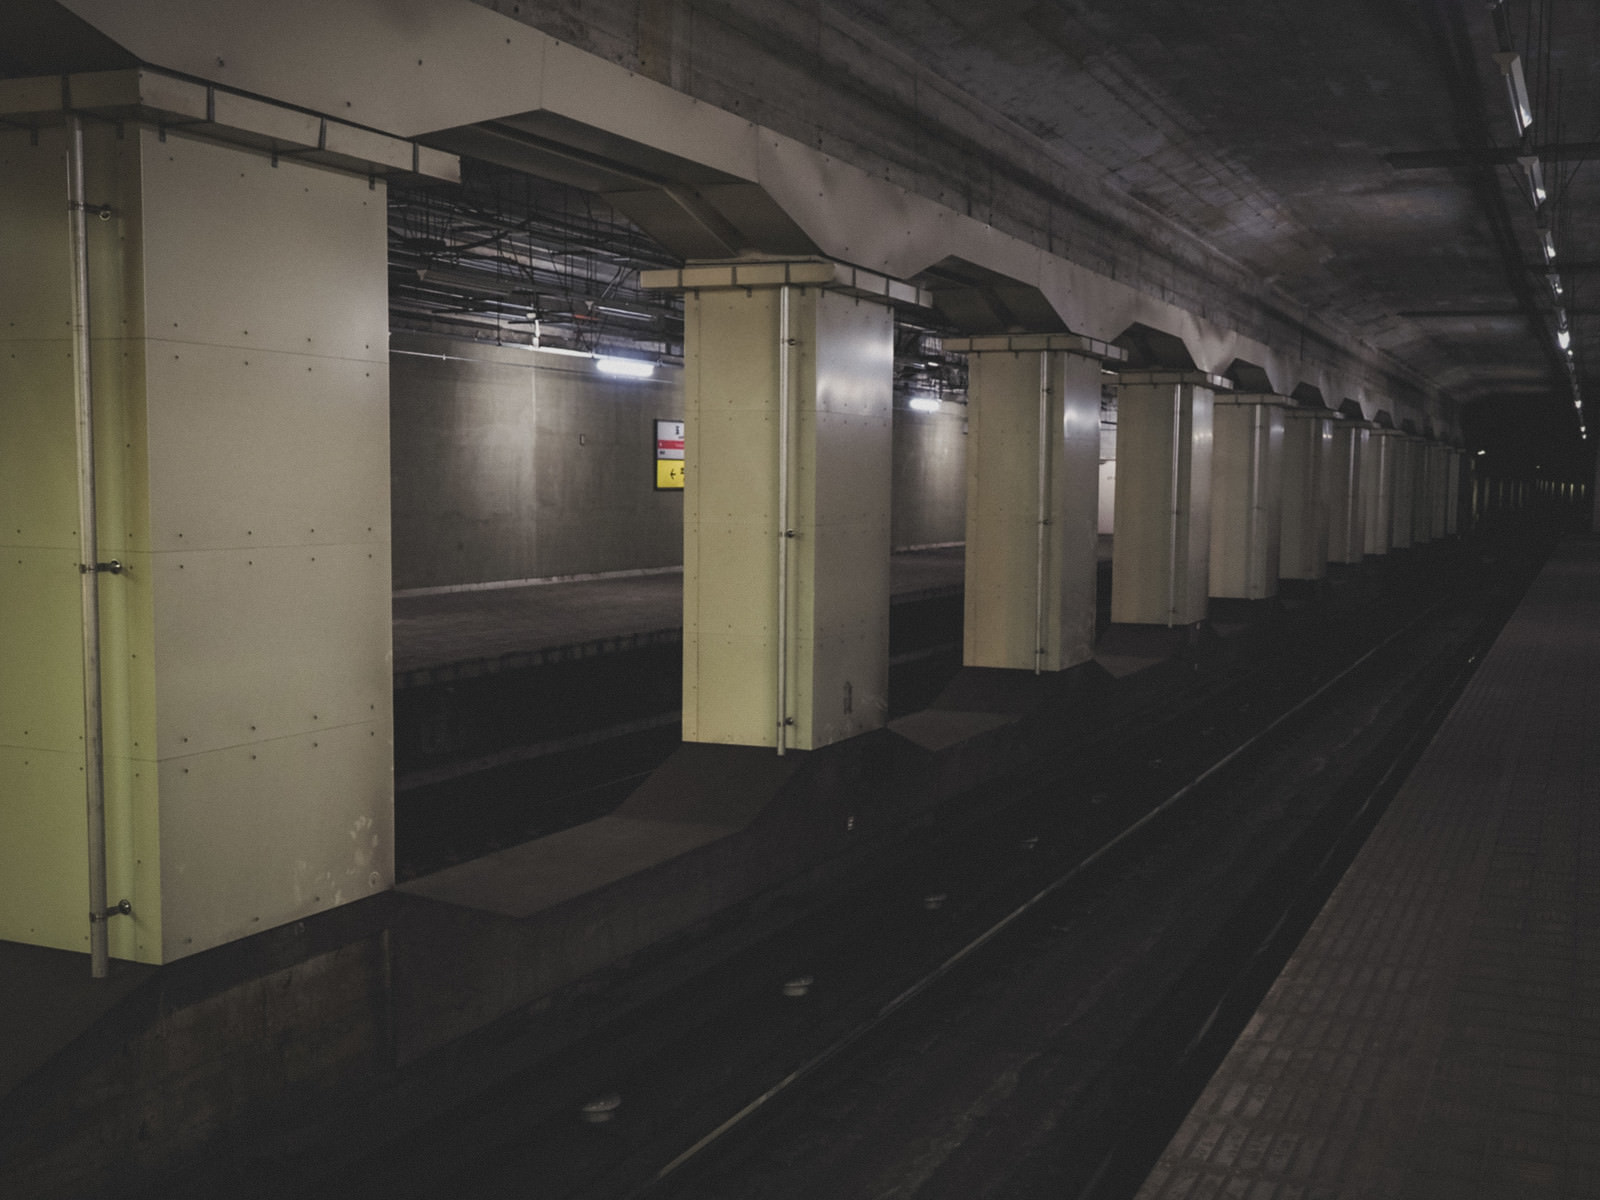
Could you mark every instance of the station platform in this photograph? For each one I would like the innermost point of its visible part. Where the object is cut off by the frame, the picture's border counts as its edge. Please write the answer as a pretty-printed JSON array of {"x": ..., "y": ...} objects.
[
  {"x": 1437, "y": 1031},
  {"x": 441, "y": 635}
]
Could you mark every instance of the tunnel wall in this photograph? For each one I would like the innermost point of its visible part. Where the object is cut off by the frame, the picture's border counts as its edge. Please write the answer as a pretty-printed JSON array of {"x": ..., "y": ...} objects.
[
  {"x": 930, "y": 478},
  {"x": 491, "y": 481},
  {"x": 507, "y": 464}
]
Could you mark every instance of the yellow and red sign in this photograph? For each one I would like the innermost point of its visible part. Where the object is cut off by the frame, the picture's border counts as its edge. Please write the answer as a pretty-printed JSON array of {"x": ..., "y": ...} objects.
[{"x": 669, "y": 456}]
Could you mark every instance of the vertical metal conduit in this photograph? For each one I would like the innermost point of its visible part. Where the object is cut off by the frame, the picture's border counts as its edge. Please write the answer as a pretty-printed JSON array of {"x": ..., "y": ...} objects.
[
  {"x": 1041, "y": 548},
  {"x": 88, "y": 554},
  {"x": 1172, "y": 523},
  {"x": 784, "y": 532},
  {"x": 1253, "y": 521}
]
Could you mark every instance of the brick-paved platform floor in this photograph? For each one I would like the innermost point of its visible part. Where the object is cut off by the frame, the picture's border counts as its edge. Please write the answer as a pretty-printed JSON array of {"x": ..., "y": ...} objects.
[{"x": 1437, "y": 1032}]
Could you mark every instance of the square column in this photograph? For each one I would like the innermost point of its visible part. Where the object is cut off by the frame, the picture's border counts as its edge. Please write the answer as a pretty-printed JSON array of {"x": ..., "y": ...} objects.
[
  {"x": 238, "y": 315},
  {"x": 1443, "y": 458},
  {"x": 1162, "y": 549},
  {"x": 1422, "y": 488},
  {"x": 1402, "y": 523},
  {"x": 1377, "y": 487},
  {"x": 1452, "y": 515},
  {"x": 788, "y": 389},
  {"x": 1246, "y": 495},
  {"x": 1307, "y": 443},
  {"x": 1033, "y": 449},
  {"x": 1346, "y": 507}
]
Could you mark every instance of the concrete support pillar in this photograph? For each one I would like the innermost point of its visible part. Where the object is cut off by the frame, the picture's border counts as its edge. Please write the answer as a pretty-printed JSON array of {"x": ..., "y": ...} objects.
[
  {"x": 1422, "y": 491},
  {"x": 1377, "y": 486},
  {"x": 1246, "y": 495},
  {"x": 1308, "y": 442},
  {"x": 1347, "y": 532},
  {"x": 1402, "y": 526},
  {"x": 1445, "y": 481},
  {"x": 1162, "y": 550},
  {"x": 1452, "y": 512},
  {"x": 1033, "y": 451},
  {"x": 788, "y": 386},
  {"x": 238, "y": 314}
]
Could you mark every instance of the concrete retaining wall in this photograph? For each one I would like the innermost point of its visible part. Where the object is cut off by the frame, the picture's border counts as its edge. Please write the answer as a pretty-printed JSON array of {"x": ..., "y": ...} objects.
[{"x": 509, "y": 464}]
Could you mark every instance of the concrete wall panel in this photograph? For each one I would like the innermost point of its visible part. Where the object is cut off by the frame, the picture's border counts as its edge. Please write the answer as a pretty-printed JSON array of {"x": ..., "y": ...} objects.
[
  {"x": 245, "y": 490},
  {"x": 930, "y": 478},
  {"x": 492, "y": 482}
]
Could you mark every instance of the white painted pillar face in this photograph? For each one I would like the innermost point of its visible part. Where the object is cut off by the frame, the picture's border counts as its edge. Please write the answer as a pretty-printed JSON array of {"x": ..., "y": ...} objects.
[
  {"x": 1162, "y": 549},
  {"x": 239, "y": 316},
  {"x": 1443, "y": 457},
  {"x": 832, "y": 647},
  {"x": 1030, "y": 587},
  {"x": 1346, "y": 510},
  {"x": 1377, "y": 487},
  {"x": 1246, "y": 496},
  {"x": 1308, "y": 444},
  {"x": 1402, "y": 520},
  {"x": 1452, "y": 515},
  {"x": 1422, "y": 485}
]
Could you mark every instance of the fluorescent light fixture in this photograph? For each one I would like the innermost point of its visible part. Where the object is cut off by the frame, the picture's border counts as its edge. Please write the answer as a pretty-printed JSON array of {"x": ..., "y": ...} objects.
[
  {"x": 562, "y": 350},
  {"x": 1516, "y": 90},
  {"x": 1555, "y": 283},
  {"x": 1547, "y": 243},
  {"x": 628, "y": 368},
  {"x": 1481, "y": 453},
  {"x": 1564, "y": 337},
  {"x": 1534, "y": 170},
  {"x": 924, "y": 404}
]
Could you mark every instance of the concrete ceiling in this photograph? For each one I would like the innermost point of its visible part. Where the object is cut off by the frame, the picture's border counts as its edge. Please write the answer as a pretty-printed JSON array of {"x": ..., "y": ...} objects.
[{"x": 1266, "y": 129}]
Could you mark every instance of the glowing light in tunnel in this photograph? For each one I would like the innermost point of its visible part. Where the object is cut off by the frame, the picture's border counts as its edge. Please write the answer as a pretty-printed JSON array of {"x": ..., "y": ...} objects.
[{"x": 924, "y": 404}]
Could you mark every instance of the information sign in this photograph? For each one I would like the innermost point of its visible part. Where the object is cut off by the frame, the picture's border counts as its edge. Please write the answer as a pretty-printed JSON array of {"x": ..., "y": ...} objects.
[{"x": 669, "y": 456}]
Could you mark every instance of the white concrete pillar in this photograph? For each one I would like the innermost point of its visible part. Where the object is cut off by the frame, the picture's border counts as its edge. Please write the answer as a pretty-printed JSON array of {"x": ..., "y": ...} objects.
[
  {"x": 1308, "y": 442},
  {"x": 788, "y": 388},
  {"x": 1346, "y": 507},
  {"x": 1402, "y": 525},
  {"x": 1033, "y": 450},
  {"x": 1377, "y": 487},
  {"x": 1453, "y": 467},
  {"x": 239, "y": 316},
  {"x": 1246, "y": 495},
  {"x": 1422, "y": 486},
  {"x": 1439, "y": 520},
  {"x": 1162, "y": 548}
]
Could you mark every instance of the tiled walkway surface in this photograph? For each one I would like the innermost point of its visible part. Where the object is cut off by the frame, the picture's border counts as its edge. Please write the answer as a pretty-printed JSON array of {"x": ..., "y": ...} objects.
[
  {"x": 1437, "y": 1033},
  {"x": 432, "y": 631}
]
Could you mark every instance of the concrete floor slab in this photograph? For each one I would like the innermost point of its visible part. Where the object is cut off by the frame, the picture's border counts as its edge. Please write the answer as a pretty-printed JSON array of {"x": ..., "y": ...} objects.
[{"x": 1436, "y": 1032}]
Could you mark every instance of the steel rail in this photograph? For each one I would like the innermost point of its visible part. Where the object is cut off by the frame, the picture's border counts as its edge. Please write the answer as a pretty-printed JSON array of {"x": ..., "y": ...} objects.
[{"x": 927, "y": 981}]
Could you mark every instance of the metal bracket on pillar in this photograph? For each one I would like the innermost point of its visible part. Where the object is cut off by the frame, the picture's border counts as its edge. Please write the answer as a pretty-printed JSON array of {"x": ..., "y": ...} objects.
[{"x": 122, "y": 908}]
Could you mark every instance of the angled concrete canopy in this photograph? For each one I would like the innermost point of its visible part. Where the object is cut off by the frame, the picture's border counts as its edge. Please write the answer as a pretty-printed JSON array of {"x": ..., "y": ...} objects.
[{"x": 714, "y": 184}]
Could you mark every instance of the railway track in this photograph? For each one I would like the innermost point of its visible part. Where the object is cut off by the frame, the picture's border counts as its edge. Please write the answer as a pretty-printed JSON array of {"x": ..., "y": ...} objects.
[{"x": 1024, "y": 1002}]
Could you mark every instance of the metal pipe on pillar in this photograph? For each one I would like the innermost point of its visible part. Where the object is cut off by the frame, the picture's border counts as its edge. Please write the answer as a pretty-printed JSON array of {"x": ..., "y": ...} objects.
[
  {"x": 88, "y": 557},
  {"x": 784, "y": 532},
  {"x": 1043, "y": 488}
]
